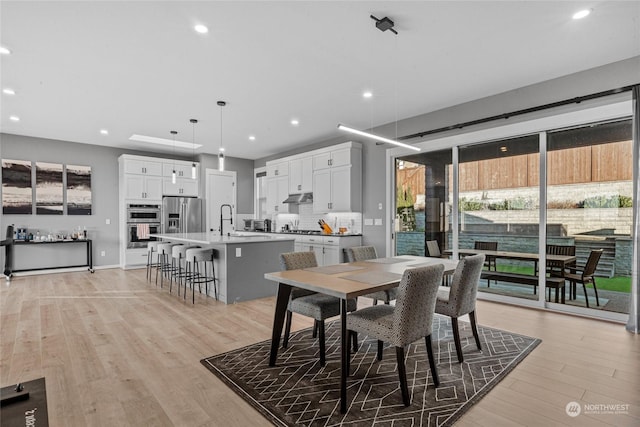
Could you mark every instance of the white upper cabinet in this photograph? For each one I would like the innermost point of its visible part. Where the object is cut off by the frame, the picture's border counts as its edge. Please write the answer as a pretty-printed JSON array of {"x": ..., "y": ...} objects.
[
  {"x": 333, "y": 158},
  {"x": 301, "y": 175},
  {"x": 143, "y": 167},
  {"x": 277, "y": 168},
  {"x": 182, "y": 187},
  {"x": 141, "y": 187},
  {"x": 183, "y": 169},
  {"x": 277, "y": 192}
]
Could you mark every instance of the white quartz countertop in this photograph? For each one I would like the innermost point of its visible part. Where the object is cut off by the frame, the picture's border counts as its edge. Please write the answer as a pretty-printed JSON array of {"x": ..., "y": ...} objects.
[{"x": 212, "y": 238}]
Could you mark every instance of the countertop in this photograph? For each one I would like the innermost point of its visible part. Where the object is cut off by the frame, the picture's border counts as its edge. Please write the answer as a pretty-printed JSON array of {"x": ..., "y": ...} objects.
[
  {"x": 212, "y": 238},
  {"x": 285, "y": 233}
]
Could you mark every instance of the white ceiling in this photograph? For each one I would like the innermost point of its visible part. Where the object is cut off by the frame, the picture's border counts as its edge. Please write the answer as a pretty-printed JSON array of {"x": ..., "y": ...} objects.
[{"x": 139, "y": 67}]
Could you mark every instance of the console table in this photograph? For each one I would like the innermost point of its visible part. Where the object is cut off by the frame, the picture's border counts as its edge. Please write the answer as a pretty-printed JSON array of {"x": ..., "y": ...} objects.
[{"x": 88, "y": 263}]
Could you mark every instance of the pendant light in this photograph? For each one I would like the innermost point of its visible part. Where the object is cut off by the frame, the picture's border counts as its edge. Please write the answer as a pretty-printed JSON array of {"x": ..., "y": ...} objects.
[
  {"x": 221, "y": 148},
  {"x": 173, "y": 174},
  {"x": 193, "y": 148}
]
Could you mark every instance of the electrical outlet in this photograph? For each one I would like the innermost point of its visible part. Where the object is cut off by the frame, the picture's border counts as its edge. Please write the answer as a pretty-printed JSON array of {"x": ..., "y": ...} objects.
[
  {"x": 380, "y": 206},
  {"x": 107, "y": 221},
  {"x": 238, "y": 252},
  {"x": 378, "y": 221},
  {"x": 103, "y": 253}
]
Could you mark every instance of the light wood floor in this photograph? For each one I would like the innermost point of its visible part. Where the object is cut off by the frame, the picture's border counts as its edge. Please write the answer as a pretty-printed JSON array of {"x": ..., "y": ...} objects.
[{"x": 117, "y": 351}]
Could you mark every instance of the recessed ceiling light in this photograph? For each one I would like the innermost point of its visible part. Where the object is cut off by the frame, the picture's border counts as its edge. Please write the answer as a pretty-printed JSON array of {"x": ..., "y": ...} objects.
[
  {"x": 8, "y": 91},
  {"x": 503, "y": 149},
  {"x": 14, "y": 118},
  {"x": 104, "y": 132},
  {"x": 201, "y": 29},
  {"x": 4, "y": 50},
  {"x": 295, "y": 122},
  {"x": 164, "y": 141},
  {"x": 252, "y": 138},
  {"x": 581, "y": 14},
  {"x": 367, "y": 94},
  {"x": 221, "y": 149}
]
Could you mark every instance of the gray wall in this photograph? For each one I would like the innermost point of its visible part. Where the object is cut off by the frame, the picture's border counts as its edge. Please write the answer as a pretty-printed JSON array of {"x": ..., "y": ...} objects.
[
  {"x": 611, "y": 76},
  {"x": 244, "y": 179},
  {"x": 104, "y": 188}
]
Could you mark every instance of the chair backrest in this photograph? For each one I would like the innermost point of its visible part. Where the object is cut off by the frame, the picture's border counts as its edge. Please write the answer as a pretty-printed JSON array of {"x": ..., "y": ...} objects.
[
  {"x": 464, "y": 285},
  {"x": 592, "y": 262},
  {"x": 433, "y": 248},
  {"x": 416, "y": 303},
  {"x": 297, "y": 260},
  {"x": 361, "y": 253},
  {"x": 561, "y": 250},
  {"x": 486, "y": 246}
]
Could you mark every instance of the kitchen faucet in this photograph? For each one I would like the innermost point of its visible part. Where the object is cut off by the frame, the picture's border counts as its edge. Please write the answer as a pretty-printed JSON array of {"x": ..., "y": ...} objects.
[{"x": 230, "y": 217}]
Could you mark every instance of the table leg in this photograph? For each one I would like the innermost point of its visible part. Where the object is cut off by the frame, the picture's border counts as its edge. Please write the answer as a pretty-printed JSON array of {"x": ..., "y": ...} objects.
[
  {"x": 345, "y": 356},
  {"x": 284, "y": 291}
]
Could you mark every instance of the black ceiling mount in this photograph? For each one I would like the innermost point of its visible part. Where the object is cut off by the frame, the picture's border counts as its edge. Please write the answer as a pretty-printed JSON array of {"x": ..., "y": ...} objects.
[
  {"x": 193, "y": 120},
  {"x": 384, "y": 24},
  {"x": 222, "y": 103}
]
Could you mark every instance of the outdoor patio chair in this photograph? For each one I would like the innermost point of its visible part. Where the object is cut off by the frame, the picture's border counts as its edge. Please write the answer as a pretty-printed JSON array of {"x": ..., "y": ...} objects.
[
  {"x": 584, "y": 275},
  {"x": 410, "y": 320},
  {"x": 556, "y": 268},
  {"x": 490, "y": 262}
]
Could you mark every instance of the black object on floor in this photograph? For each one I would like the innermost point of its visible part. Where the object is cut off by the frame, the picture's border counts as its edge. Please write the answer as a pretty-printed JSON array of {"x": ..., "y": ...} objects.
[{"x": 25, "y": 407}]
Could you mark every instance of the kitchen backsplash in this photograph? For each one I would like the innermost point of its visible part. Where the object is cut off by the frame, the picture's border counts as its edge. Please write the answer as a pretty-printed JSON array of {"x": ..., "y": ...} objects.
[{"x": 307, "y": 220}]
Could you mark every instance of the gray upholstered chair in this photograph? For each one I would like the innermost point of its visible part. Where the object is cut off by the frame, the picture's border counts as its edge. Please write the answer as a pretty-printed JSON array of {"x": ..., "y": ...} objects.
[
  {"x": 410, "y": 320},
  {"x": 307, "y": 303},
  {"x": 363, "y": 253},
  {"x": 460, "y": 298}
]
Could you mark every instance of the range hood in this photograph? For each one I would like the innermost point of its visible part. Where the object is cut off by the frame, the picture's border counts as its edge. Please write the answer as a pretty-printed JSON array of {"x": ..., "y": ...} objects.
[{"x": 299, "y": 198}]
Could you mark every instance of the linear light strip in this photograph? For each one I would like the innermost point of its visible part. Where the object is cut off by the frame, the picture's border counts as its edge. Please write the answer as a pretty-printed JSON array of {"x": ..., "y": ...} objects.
[
  {"x": 376, "y": 137},
  {"x": 163, "y": 141}
]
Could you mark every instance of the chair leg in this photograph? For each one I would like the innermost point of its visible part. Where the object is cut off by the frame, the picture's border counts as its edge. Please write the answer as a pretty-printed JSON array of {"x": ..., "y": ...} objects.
[
  {"x": 375, "y": 302},
  {"x": 354, "y": 339},
  {"x": 321, "y": 340},
  {"x": 380, "y": 348},
  {"x": 432, "y": 361},
  {"x": 595, "y": 290},
  {"x": 474, "y": 328},
  {"x": 402, "y": 375},
  {"x": 314, "y": 334},
  {"x": 586, "y": 298},
  {"x": 456, "y": 338},
  {"x": 287, "y": 329}
]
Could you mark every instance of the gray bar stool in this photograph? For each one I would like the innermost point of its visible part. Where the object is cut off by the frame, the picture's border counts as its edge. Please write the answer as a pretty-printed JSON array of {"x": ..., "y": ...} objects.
[
  {"x": 152, "y": 249},
  {"x": 197, "y": 271},
  {"x": 178, "y": 270},
  {"x": 164, "y": 265}
]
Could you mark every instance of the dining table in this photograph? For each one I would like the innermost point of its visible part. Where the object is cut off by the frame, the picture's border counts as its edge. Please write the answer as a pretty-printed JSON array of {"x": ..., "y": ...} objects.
[{"x": 343, "y": 281}]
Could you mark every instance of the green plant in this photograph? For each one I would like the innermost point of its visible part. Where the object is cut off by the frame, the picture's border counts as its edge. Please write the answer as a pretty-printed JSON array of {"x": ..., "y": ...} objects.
[
  {"x": 625, "y": 201},
  {"x": 618, "y": 201},
  {"x": 470, "y": 205}
]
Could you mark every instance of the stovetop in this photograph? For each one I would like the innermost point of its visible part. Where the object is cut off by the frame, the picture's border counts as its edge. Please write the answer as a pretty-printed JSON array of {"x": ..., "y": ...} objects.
[{"x": 301, "y": 232}]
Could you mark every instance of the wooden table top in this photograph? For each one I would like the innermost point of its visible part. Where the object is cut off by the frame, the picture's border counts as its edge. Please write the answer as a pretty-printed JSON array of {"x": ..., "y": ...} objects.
[
  {"x": 355, "y": 279},
  {"x": 525, "y": 256}
]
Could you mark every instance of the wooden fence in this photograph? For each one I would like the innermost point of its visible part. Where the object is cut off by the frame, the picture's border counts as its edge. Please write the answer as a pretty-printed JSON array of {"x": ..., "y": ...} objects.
[{"x": 596, "y": 163}]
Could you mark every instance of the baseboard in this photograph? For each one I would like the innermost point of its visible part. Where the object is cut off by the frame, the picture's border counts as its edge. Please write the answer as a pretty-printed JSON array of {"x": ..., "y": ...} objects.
[{"x": 60, "y": 270}]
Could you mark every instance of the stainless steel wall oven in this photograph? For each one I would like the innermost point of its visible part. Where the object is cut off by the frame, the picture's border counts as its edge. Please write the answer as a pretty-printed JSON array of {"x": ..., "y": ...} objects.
[{"x": 142, "y": 220}]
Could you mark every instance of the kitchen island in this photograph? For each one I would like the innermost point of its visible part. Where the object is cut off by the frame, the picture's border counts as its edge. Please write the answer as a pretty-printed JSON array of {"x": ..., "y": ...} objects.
[{"x": 241, "y": 261}]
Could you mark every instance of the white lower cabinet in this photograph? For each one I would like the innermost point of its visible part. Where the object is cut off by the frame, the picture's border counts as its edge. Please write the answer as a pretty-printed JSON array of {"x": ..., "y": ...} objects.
[
  {"x": 136, "y": 257},
  {"x": 329, "y": 250}
]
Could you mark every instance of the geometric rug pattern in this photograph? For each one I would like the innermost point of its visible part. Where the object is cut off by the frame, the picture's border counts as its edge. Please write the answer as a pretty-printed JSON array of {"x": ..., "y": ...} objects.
[{"x": 298, "y": 391}]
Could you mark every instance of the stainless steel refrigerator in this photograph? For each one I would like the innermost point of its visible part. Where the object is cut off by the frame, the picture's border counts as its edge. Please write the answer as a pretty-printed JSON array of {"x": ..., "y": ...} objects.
[{"x": 182, "y": 215}]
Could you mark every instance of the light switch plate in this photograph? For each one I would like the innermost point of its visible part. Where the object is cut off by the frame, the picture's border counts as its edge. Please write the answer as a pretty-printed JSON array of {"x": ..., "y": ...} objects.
[
  {"x": 368, "y": 221},
  {"x": 378, "y": 221},
  {"x": 107, "y": 221},
  {"x": 238, "y": 252}
]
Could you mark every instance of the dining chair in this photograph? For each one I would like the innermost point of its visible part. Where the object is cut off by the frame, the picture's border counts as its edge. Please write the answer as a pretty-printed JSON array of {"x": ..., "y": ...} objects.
[
  {"x": 363, "y": 253},
  {"x": 410, "y": 320},
  {"x": 433, "y": 251},
  {"x": 555, "y": 268},
  {"x": 308, "y": 303},
  {"x": 460, "y": 298},
  {"x": 584, "y": 275}
]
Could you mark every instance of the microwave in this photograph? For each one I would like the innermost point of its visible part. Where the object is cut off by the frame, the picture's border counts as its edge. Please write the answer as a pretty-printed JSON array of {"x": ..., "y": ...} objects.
[{"x": 143, "y": 213}]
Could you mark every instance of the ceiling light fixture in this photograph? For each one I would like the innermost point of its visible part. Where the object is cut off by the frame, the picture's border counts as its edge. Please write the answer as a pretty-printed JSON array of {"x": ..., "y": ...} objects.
[
  {"x": 295, "y": 122},
  {"x": 201, "y": 29},
  {"x": 14, "y": 118},
  {"x": 173, "y": 174},
  {"x": 104, "y": 132},
  {"x": 367, "y": 94},
  {"x": 376, "y": 137},
  {"x": 582, "y": 14},
  {"x": 193, "y": 152},
  {"x": 252, "y": 138},
  {"x": 221, "y": 149},
  {"x": 163, "y": 141},
  {"x": 384, "y": 24},
  {"x": 8, "y": 91},
  {"x": 4, "y": 51}
]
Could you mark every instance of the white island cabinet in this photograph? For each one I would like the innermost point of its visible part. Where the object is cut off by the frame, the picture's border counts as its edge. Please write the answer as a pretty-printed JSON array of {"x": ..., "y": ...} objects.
[{"x": 241, "y": 261}]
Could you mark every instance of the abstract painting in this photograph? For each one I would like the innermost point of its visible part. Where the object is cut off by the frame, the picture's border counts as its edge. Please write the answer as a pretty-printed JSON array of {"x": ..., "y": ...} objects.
[
  {"x": 48, "y": 188},
  {"x": 78, "y": 190},
  {"x": 17, "y": 195}
]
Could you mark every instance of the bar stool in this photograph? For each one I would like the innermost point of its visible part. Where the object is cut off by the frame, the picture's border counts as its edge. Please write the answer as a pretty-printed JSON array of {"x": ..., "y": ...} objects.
[
  {"x": 194, "y": 259},
  {"x": 152, "y": 249},
  {"x": 178, "y": 270},
  {"x": 164, "y": 266}
]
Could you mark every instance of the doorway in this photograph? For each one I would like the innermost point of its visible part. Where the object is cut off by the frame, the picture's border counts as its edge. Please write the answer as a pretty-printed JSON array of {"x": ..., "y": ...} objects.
[{"x": 220, "y": 189}]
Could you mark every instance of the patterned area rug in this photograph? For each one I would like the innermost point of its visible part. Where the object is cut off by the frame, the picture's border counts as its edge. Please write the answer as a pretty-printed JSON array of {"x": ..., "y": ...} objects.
[{"x": 299, "y": 392}]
